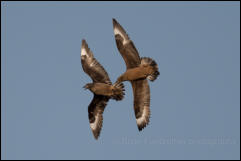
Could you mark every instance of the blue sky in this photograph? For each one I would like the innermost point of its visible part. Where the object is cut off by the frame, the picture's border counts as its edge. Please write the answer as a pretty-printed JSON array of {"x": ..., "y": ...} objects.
[{"x": 195, "y": 102}]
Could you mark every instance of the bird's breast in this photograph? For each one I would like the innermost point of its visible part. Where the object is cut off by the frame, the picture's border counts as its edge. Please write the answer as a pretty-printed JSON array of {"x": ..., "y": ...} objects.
[{"x": 102, "y": 89}]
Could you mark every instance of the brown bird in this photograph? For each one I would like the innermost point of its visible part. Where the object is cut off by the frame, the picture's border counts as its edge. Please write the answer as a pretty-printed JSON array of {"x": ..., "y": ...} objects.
[
  {"x": 101, "y": 87},
  {"x": 138, "y": 69}
]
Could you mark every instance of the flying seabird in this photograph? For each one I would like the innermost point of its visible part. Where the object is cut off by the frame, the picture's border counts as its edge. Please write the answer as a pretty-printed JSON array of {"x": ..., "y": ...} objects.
[
  {"x": 101, "y": 87},
  {"x": 138, "y": 70}
]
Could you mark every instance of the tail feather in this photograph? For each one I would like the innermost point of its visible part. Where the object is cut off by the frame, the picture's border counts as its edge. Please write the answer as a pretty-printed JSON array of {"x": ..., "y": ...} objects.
[
  {"x": 152, "y": 63},
  {"x": 118, "y": 91}
]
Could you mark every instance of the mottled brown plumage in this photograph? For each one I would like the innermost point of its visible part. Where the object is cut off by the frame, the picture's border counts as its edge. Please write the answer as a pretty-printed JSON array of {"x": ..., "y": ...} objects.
[
  {"x": 137, "y": 70},
  {"x": 132, "y": 74},
  {"x": 101, "y": 87}
]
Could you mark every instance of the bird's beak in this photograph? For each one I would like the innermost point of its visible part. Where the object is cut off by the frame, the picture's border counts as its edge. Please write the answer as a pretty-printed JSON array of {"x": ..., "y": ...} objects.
[{"x": 85, "y": 87}]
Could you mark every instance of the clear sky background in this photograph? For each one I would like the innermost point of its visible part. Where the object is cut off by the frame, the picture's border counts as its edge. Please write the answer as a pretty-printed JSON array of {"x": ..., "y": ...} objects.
[{"x": 195, "y": 102}]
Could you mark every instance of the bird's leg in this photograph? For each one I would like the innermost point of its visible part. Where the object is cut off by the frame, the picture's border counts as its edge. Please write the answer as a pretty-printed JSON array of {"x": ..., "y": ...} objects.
[{"x": 120, "y": 79}]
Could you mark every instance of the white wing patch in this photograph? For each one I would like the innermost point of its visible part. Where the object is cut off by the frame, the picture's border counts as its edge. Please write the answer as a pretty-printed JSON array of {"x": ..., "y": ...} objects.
[
  {"x": 116, "y": 32},
  {"x": 84, "y": 52},
  {"x": 93, "y": 125},
  {"x": 144, "y": 116},
  {"x": 97, "y": 123}
]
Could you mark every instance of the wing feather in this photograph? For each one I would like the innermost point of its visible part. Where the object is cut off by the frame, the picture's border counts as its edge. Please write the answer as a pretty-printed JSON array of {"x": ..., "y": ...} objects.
[
  {"x": 125, "y": 46},
  {"x": 95, "y": 111},
  {"x": 92, "y": 67},
  {"x": 141, "y": 92}
]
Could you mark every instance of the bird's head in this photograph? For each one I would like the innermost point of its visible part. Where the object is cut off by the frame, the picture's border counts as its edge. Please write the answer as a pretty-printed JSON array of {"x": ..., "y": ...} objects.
[{"x": 88, "y": 86}]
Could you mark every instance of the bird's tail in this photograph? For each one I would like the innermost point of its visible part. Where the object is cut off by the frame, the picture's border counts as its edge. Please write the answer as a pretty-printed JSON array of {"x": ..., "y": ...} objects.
[
  {"x": 154, "y": 73},
  {"x": 118, "y": 90}
]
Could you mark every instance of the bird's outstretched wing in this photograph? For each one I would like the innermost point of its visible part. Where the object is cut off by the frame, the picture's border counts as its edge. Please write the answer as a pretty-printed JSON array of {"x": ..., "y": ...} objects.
[
  {"x": 95, "y": 110},
  {"x": 141, "y": 90},
  {"x": 91, "y": 66},
  {"x": 125, "y": 46}
]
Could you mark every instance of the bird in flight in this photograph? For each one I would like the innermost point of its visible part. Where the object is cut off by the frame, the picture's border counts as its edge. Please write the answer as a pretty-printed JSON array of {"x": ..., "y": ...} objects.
[
  {"x": 138, "y": 70},
  {"x": 101, "y": 87}
]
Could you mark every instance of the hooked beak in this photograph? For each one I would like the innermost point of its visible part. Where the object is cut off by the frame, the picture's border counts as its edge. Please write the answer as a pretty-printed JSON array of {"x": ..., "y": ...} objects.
[{"x": 85, "y": 87}]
